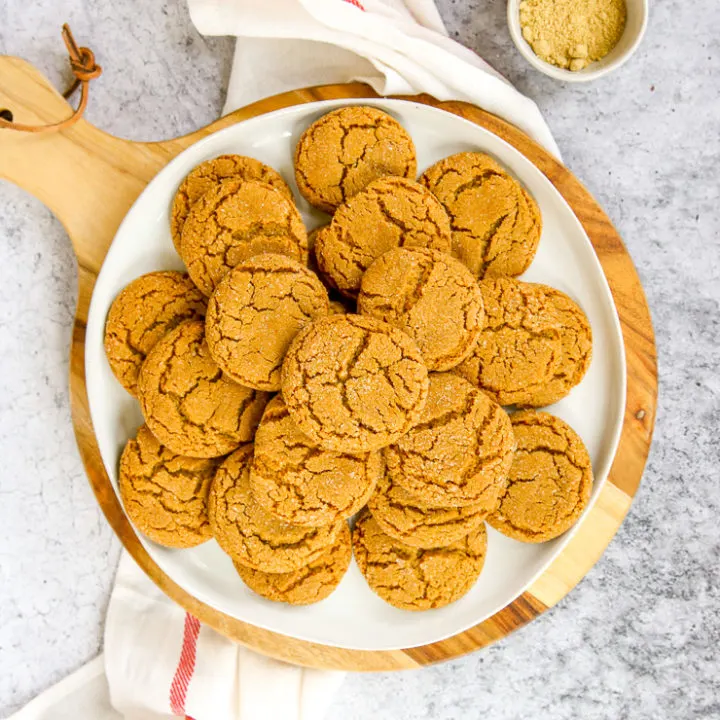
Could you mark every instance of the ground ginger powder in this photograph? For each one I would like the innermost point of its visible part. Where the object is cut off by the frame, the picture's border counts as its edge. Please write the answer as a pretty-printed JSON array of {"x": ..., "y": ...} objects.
[{"x": 572, "y": 33}]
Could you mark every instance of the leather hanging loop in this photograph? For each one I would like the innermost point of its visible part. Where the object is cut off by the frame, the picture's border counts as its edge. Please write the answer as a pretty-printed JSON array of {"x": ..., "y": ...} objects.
[{"x": 85, "y": 69}]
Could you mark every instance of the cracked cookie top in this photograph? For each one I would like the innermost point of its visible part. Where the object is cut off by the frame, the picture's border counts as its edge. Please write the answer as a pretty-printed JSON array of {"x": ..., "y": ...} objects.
[
  {"x": 576, "y": 347},
  {"x": 550, "y": 480},
  {"x": 141, "y": 314},
  {"x": 165, "y": 494},
  {"x": 459, "y": 452},
  {"x": 345, "y": 150},
  {"x": 256, "y": 311},
  {"x": 207, "y": 175},
  {"x": 353, "y": 383},
  {"x": 520, "y": 349},
  {"x": 388, "y": 213},
  {"x": 404, "y": 517},
  {"x": 249, "y": 534},
  {"x": 496, "y": 225},
  {"x": 187, "y": 402},
  {"x": 309, "y": 584},
  {"x": 414, "y": 578},
  {"x": 429, "y": 295},
  {"x": 300, "y": 483},
  {"x": 234, "y": 221}
]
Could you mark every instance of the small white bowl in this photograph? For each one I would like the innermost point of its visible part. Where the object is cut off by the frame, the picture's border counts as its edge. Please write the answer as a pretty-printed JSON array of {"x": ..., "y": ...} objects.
[{"x": 637, "y": 17}]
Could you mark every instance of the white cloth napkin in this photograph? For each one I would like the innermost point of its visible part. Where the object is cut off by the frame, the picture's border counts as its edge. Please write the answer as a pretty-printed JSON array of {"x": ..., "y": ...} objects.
[
  {"x": 159, "y": 662},
  {"x": 399, "y": 47}
]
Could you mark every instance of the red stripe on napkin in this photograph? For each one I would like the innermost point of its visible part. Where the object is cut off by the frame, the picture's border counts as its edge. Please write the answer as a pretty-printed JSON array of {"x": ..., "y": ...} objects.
[
  {"x": 186, "y": 665},
  {"x": 356, "y": 3}
]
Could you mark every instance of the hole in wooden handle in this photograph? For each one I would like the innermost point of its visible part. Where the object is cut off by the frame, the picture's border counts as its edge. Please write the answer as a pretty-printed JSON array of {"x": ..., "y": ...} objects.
[{"x": 6, "y": 115}]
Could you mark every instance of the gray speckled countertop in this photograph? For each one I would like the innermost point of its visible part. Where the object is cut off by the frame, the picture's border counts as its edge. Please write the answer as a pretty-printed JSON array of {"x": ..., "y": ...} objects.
[{"x": 640, "y": 636}]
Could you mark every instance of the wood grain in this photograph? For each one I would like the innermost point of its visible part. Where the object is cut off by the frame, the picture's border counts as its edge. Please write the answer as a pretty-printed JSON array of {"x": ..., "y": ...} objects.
[{"x": 89, "y": 179}]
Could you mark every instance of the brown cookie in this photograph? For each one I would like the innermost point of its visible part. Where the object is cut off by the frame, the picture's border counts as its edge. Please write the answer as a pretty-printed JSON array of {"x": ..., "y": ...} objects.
[
  {"x": 233, "y": 222},
  {"x": 388, "y": 213},
  {"x": 353, "y": 383},
  {"x": 165, "y": 494},
  {"x": 249, "y": 534},
  {"x": 403, "y": 517},
  {"x": 520, "y": 350},
  {"x": 188, "y": 403},
  {"x": 208, "y": 174},
  {"x": 345, "y": 150},
  {"x": 576, "y": 348},
  {"x": 300, "y": 483},
  {"x": 429, "y": 295},
  {"x": 459, "y": 452},
  {"x": 550, "y": 480},
  {"x": 256, "y": 311},
  {"x": 496, "y": 225},
  {"x": 337, "y": 308},
  {"x": 309, "y": 584},
  {"x": 141, "y": 314},
  {"x": 414, "y": 578}
]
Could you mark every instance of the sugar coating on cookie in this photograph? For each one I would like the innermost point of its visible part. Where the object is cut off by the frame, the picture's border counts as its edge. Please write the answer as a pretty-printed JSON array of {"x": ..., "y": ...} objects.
[
  {"x": 345, "y": 150},
  {"x": 187, "y": 401},
  {"x": 306, "y": 585},
  {"x": 353, "y": 383},
  {"x": 404, "y": 517},
  {"x": 249, "y": 534},
  {"x": 256, "y": 311},
  {"x": 460, "y": 450},
  {"x": 576, "y": 347},
  {"x": 234, "y": 221},
  {"x": 388, "y": 213},
  {"x": 165, "y": 494},
  {"x": 550, "y": 480},
  {"x": 496, "y": 225},
  {"x": 300, "y": 483},
  {"x": 415, "y": 578},
  {"x": 429, "y": 295},
  {"x": 141, "y": 314},
  {"x": 209, "y": 174},
  {"x": 520, "y": 350}
]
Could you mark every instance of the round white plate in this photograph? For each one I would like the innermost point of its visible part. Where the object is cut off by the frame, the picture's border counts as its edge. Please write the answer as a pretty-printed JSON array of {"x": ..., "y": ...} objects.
[{"x": 353, "y": 616}]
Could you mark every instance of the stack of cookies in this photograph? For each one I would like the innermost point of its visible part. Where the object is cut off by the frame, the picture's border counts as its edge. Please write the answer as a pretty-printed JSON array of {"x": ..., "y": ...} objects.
[{"x": 289, "y": 382}]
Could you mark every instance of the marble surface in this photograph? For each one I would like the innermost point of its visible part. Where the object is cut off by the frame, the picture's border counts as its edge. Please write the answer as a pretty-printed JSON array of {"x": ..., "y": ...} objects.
[{"x": 640, "y": 636}]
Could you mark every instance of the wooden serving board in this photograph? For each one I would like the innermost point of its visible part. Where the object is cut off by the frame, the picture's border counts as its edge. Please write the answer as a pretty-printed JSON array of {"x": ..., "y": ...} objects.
[{"x": 89, "y": 179}]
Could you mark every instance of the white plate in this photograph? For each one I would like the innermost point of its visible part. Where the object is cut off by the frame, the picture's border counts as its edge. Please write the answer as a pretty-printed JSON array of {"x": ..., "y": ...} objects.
[{"x": 354, "y": 617}]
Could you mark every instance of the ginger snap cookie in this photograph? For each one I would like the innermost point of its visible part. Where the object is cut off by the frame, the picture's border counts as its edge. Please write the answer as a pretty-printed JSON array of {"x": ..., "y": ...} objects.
[
  {"x": 388, "y": 213},
  {"x": 576, "y": 347},
  {"x": 300, "y": 483},
  {"x": 413, "y": 578},
  {"x": 429, "y": 295},
  {"x": 165, "y": 494},
  {"x": 460, "y": 450},
  {"x": 345, "y": 150},
  {"x": 249, "y": 534},
  {"x": 208, "y": 174},
  {"x": 353, "y": 383},
  {"x": 403, "y": 517},
  {"x": 496, "y": 225},
  {"x": 256, "y": 311},
  {"x": 141, "y": 314},
  {"x": 187, "y": 402},
  {"x": 549, "y": 483},
  {"x": 520, "y": 350},
  {"x": 306, "y": 585},
  {"x": 234, "y": 221}
]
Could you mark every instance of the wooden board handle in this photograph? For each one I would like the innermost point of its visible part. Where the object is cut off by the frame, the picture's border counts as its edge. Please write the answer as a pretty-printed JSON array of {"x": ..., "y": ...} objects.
[{"x": 65, "y": 169}]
